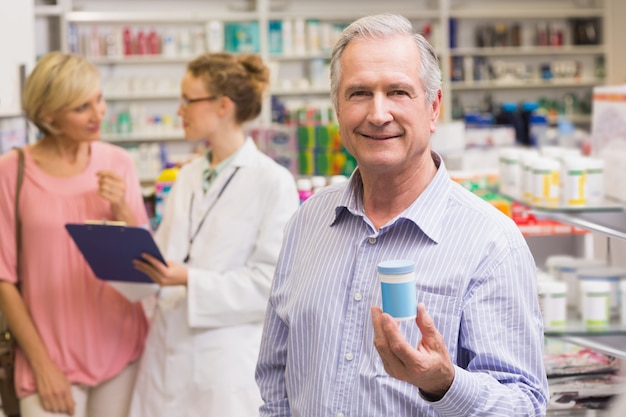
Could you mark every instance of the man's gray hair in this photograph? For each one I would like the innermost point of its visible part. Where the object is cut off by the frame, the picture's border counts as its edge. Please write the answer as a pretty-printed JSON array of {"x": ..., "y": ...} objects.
[{"x": 382, "y": 26}]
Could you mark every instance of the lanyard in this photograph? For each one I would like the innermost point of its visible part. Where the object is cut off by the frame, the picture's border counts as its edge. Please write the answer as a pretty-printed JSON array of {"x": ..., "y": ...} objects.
[{"x": 192, "y": 236}]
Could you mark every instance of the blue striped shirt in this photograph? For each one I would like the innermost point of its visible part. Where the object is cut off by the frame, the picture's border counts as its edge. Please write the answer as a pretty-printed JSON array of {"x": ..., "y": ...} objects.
[{"x": 475, "y": 275}]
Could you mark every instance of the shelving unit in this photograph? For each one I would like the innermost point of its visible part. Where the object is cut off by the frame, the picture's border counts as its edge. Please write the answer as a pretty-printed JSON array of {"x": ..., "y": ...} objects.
[
  {"x": 467, "y": 15},
  {"x": 522, "y": 66},
  {"x": 611, "y": 224}
]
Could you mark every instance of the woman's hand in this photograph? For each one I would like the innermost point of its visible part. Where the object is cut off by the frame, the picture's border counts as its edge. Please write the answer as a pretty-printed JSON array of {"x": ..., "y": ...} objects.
[
  {"x": 171, "y": 274},
  {"x": 112, "y": 188},
  {"x": 54, "y": 389}
]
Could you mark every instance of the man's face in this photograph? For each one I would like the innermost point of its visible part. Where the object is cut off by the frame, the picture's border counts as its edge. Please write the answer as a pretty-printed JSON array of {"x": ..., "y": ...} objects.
[{"x": 384, "y": 120}]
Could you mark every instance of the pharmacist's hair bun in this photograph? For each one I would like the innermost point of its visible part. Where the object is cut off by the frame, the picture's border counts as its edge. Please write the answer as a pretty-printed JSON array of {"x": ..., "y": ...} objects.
[{"x": 256, "y": 68}]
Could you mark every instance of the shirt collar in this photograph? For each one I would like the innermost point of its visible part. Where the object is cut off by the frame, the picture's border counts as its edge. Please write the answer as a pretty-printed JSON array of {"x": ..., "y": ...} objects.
[
  {"x": 433, "y": 199},
  {"x": 210, "y": 174}
]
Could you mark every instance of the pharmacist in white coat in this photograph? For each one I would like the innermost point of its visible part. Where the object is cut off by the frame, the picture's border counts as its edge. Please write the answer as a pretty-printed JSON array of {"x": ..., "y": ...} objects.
[{"x": 221, "y": 234}]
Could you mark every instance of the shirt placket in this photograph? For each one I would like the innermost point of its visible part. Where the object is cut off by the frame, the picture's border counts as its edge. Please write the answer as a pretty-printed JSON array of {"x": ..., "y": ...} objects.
[{"x": 357, "y": 315}]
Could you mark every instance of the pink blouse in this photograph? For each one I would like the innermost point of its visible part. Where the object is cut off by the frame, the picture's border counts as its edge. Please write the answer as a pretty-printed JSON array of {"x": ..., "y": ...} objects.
[{"x": 89, "y": 329}]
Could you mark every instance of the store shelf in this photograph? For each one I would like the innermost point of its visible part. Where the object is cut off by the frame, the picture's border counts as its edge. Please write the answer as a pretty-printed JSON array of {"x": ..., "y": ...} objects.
[
  {"x": 300, "y": 57},
  {"x": 143, "y": 137},
  {"x": 139, "y": 60},
  {"x": 513, "y": 13},
  {"x": 154, "y": 17},
  {"x": 46, "y": 10},
  {"x": 519, "y": 85},
  {"x": 613, "y": 344},
  {"x": 300, "y": 91},
  {"x": 167, "y": 95},
  {"x": 609, "y": 223},
  {"x": 346, "y": 15},
  {"x": 530, "y": 50}
]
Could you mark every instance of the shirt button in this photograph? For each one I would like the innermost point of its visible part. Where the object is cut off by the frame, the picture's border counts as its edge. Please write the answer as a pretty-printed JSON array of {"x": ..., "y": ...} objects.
[
  {"x": 349, "y": 356},
  {"x": 372, "y": 240},
  {"x": 340, "y": 415},
  {"x": 358, "y": 297}
]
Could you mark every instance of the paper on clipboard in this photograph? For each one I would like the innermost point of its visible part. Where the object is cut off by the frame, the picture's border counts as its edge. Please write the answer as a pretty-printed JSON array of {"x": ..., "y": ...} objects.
[{"x": 110, "y": 249}]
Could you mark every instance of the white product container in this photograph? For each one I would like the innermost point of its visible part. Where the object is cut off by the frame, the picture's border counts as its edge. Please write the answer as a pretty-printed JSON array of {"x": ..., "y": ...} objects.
[
  {"x": 595, "y": 181},
  {"x": 567, "y": 271},
  {"x": 313, "y": 41},
  {"x": 287, "y": 36},
  {"x": 596, "y": 301},
  {"x": 318, "y": 182},
  {"x": 574, "y": 181},
  {"x": 553, "y": 303},
  {"x": 397, "y": 281},
  {"x": 554, "y": 263},
  {"x": 510, "y": 172},
  {"x": 214, "y": 32},
  {"x": 608, "y": 274},
  {"x": 299, "y": 36},
  {"x": 546, "y": 190},
  {"x": 526, "y": 174},
  {"x": 554, "y": 152}
]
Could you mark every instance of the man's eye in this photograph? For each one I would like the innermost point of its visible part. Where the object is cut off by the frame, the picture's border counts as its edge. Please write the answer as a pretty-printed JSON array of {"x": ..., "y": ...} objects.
[
  {"x": 358, "y": 94},
  {"x": 399, "y": 93}
]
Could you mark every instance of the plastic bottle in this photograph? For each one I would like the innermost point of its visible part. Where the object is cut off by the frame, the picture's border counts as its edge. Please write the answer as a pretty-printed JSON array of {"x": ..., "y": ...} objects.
[
  {"x": 305, "y": 188},
  {"x": 275, "y": 37},
  {"x": 169, "y": 48},
  {"x": 215, "y": 36},
  {"x": 127, "y": 37},
  {"x": 553, "y": 303},
  {"x": 338, "y": 179},
  {"x": 318, "y": 182},
  {"x": 142, "y": 43},
  {"x": 595, "y": 182},
  {"x": 528, "y": 110},
  {"x": 162, "y": 187},
  {"x": 154, "y": 42},
  {"x": 510, "y": 116},
  {"x": 574, "y": 181},
  {"x": 538, "y": 130},
  {"x": 397, "y": 282},
  {"x": 546, "y": 182},
  {"x": 565, "y": 130},
  {"x": 73, "y": 38}
]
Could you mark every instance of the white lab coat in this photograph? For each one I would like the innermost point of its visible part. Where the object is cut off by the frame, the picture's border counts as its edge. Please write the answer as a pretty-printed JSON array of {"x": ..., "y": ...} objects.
[{"x": 204, "y": 339}]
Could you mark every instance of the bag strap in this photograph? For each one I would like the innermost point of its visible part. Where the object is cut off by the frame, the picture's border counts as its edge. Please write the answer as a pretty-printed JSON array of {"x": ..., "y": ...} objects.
[
  {"x": 5, "y": 332},
  {"x": 18, "y": 220}
]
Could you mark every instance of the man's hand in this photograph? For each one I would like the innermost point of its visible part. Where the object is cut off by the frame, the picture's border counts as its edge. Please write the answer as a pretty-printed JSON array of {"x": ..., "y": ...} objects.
[{"x": 428, "y": 367}]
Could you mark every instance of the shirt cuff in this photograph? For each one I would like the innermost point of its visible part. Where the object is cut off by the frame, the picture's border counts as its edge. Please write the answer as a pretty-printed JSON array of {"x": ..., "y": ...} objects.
[{"x": 461, "y": 398}]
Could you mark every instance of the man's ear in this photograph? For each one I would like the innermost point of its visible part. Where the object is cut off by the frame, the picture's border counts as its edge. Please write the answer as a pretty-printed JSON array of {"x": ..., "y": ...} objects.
[{"x": 435, "y": 111}]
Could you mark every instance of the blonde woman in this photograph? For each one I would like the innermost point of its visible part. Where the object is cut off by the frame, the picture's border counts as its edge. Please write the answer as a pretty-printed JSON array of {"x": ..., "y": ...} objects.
[
  {"x": 78, "y": 339},
  {"x": 221, "y": 231}
]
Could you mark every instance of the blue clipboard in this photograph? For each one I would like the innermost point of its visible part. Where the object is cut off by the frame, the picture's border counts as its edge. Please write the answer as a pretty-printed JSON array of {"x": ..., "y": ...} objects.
[{"x": 110, "y": 250}]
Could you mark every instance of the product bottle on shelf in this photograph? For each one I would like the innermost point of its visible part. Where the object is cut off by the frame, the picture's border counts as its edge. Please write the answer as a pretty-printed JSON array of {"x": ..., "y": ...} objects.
[
  {"x": 305, "y": 188},
  {"x": 162, "y": 187},
  {"x": 318, "y": 182},
  {"x": 566, "y": 132},
  {"x": 127, "y": 39},
  {"x": 511, "y": 116}
]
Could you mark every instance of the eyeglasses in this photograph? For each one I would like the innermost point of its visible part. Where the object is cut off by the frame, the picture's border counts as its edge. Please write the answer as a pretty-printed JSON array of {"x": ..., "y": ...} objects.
[{"x": 185, "y": 102}]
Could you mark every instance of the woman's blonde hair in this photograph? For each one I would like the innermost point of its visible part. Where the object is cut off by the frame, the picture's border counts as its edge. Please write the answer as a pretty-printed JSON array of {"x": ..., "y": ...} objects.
[{"x": 58, "y": 83}]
